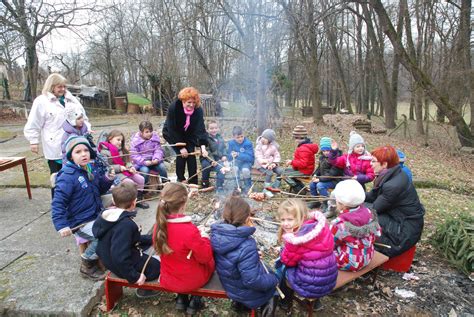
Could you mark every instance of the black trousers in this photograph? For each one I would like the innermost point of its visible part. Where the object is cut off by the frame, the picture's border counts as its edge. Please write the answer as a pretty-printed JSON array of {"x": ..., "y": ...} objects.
[
  {"x": 181, "y": 163},
  {"x": 54, "y": 167}
]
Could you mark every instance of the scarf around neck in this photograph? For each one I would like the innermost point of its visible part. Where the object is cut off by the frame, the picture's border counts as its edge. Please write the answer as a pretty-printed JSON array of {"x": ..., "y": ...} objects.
[
  {"x": 116, "y": 158},
  {"x": 188, "y": 114},
  {"x": 380, "y": 178}
]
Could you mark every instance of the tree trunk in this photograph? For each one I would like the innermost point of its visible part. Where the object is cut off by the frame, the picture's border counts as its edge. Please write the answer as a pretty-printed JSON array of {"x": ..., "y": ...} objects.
[
  {"x": 32, "y": 69},
  {"x": 396, "y": 58},
  {"x": 455, "y": 118},
  {"x": 384, "y": 85}
]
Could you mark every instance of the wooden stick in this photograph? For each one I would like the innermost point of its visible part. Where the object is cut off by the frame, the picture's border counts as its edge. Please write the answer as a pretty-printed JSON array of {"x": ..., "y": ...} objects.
[
  {"x": 194, "y": 175},
  {"x": 383, "y": 245},
  {"x": 176, "y": 144},
  {"x": 264, "y": 220},
  {"x": 146, "y": 263},
  {"x": 277, "y": 288},
  {"x": 189, "y": 255},
  {"x": 73, "y": 230}
]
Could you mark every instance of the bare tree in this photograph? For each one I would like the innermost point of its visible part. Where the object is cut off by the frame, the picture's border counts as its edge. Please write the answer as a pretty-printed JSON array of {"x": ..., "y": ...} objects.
[{"x": 33, "y": 20}]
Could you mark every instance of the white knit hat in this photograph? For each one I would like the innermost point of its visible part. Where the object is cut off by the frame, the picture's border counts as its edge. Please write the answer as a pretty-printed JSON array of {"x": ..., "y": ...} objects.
[
  {"x": 354, "y": 139},
  {"x": 350, "y": 193},
  {"x": 72, "y": 114}
]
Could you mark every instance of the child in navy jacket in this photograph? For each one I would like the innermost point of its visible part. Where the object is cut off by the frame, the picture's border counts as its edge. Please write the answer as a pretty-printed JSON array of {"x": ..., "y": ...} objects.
[
  {"x": 237, "y": 260},
  {"x": 121, "y": 245},
  {"x": 77, "y": 200},
  {"x": 240, "y": 151}
]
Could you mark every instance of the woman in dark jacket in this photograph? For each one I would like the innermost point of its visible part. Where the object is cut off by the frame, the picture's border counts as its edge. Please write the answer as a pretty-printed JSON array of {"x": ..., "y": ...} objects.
[
  {"x": 185, "y": 123},
  {"x": 396, "y": 201}
]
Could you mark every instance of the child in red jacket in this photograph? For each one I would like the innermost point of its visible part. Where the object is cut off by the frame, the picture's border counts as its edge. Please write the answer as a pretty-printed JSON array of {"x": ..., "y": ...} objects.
[
  {"x": 303, "y": 161},
  {"x": 187, "y": 262}
]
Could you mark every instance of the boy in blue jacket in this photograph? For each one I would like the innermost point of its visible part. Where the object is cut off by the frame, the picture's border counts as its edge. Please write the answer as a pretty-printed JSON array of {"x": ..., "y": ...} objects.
[
  {"x": 77, "y": 203},
  {"x": 238, "y": 264},
  {"x": 121, "y": 244},
  {"x": 240, "y": 150}
]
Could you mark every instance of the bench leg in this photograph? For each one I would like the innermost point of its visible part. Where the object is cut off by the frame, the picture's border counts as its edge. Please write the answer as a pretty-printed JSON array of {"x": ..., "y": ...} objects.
[
  {"x": 27, "y": 179},
  {"x": 113, "y": 292},
  {"x": 374, "y": 276},
  {"x": 253, "y": 313}
]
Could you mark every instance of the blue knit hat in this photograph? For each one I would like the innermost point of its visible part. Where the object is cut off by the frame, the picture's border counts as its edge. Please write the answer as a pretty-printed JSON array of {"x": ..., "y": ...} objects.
[
  {"x": 71, "y": 143},
  {"x": 401, "y": 156},
  {"x": 325, "y": 143}
]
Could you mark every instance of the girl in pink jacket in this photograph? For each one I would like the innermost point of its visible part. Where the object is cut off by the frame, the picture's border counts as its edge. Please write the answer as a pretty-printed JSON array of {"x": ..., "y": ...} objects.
[
  {"x": 267, "y": 159},
  {"x": 356, "y": 162},
  {"x": 311, "y": 269}
]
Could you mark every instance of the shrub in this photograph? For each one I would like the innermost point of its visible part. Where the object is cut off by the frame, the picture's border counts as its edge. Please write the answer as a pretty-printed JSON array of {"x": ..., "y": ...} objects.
[{"x": 455, "y": 239}]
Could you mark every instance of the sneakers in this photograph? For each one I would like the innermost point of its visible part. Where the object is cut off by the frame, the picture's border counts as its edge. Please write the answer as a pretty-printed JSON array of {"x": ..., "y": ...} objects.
[{"x": 146, "y": 293}]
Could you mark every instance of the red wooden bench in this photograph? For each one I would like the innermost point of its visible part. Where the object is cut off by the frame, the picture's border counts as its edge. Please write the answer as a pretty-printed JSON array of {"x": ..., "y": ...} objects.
[
  {"x": 114, "y": 289},
  {"x": 345, "y": 277}
]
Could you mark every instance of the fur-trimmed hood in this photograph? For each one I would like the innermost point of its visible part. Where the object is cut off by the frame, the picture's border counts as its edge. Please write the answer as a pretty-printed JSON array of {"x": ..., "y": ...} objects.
[
  {"x": 309, "y": 230},
  {"x": 363, "y": 231}
]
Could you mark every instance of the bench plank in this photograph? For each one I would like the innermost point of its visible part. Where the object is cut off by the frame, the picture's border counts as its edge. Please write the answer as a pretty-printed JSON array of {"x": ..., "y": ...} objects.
[{"x": 344, "y": 277}]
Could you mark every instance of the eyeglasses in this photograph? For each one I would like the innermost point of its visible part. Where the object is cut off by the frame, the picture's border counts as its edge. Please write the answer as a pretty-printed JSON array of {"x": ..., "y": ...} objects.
[{"x": 374, "y": 161}]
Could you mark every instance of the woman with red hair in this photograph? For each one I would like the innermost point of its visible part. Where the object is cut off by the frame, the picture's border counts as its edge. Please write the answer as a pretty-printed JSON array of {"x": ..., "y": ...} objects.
[
  {"x": 396, "y": 202},
  {"x": 185, "y": 124}
]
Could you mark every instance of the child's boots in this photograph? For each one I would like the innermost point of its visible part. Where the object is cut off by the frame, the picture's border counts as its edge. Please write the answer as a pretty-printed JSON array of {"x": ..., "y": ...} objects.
[
  {"x": 195, "y": 304},
  {"x": 141, "y": 204},
  {"x": 286, "y": 303},
  {"x": 182, "y": 302},
  {"x": 90, "y": 269}
]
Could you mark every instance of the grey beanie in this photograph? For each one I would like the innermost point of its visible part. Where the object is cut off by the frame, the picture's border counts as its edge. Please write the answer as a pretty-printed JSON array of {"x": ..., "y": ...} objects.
[
  {"x": 71, "y": 143},
  {"x": 269, "y": 134},
  {"x": 355, "y": 139}
]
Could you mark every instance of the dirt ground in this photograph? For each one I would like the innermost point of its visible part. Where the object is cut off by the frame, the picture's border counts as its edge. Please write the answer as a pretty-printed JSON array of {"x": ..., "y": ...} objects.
[{"x": 439, "y": 288}]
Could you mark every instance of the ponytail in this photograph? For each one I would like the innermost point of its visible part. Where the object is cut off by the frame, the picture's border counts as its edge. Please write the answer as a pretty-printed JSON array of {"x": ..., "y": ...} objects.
[{"x": 173, "y": 197}]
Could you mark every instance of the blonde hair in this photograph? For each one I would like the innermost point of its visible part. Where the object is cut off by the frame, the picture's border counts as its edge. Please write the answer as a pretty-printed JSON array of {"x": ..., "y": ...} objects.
[
  {"x": 173, "y": 197},
  {"x": 52, "y": 81},
  {"x": 190, "y": 93},
  {"x": 295, "y": 207}
]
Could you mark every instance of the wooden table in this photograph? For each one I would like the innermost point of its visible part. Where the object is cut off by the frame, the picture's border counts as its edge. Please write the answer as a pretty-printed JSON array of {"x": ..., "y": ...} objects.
[{"x": 9, "y": 162}]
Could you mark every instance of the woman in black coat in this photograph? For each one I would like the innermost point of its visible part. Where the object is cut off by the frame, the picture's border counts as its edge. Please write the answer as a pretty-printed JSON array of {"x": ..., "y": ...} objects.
[
  {"x": 396, "y": 201},
  {"x": 185, "y": 123}
]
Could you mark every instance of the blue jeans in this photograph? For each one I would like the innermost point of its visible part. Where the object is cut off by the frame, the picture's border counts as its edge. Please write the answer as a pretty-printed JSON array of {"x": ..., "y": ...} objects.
[
  {"x": 321, "y": 188},
  {"x": 86, "y": 233},
  {"x": 206, "y": 172},
  {"x": 158, "y": 168}
]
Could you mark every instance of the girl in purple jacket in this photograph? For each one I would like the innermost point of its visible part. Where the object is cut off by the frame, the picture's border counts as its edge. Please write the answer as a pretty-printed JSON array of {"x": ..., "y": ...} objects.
[
  {"x": 307, "y": 254},
  {"x": 147, "y": 153}
]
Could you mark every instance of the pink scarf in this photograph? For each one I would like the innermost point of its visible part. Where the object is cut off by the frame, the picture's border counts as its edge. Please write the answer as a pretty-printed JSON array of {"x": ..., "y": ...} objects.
[
  {"x": 116, "y": 158},
  {"x": 188, "y": 114}
]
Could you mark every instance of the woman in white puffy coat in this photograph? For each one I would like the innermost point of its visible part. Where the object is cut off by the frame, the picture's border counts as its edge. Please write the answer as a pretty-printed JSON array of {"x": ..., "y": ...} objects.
[{"x": 46, "y": 118}]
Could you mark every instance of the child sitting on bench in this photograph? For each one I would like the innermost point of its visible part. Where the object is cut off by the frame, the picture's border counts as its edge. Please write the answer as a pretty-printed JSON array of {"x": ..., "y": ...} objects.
[
  {"x": 307, "y": 265},
  {"x": 121, "y": 245},
  {"x": 238, "y": 263},
  {"x": 187, "y": 262},
  {"x": 77, "y": 203},
  {"x": 355, "y": 228},
  {"x": 303, "y": 161},
  {"x": 241, "y": 153}
]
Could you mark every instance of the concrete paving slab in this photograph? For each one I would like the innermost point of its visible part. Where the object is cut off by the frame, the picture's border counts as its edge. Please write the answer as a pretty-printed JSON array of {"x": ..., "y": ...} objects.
[
  {"x": 17, "y": 211},
  {"x": 50, "y": 285},
  {"x": 7, "y": 257}
]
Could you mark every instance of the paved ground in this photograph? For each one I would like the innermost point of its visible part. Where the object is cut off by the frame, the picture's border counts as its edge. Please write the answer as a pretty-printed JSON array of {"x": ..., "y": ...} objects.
[{"x": 39, "y": 271}]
